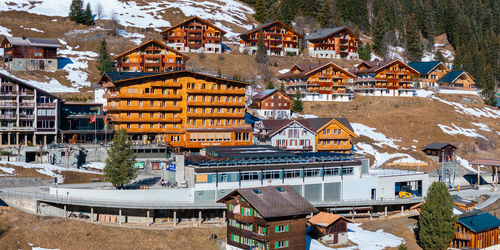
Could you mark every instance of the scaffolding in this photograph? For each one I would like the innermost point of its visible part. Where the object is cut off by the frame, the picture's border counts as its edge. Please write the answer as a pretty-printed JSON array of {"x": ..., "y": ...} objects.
[{"x": 447, "y": 171}]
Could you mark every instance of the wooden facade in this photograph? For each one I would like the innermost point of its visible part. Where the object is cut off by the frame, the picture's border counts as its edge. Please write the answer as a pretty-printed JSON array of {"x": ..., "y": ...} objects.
[
  {"x": 318, "y": 82},
  {"x": 272, "y": 103},
  {"x": 476, "y": 231},
  {"x": 182, "y": 108},
  {"x": 430, "y": 72},
  {"x": 194, "y": 35},
  {"x": 335, "y": 136},
  {"x": 279, "y": 39},
  {"x": 329, "y": 228},
  {"x": 28, "y": 50},
  {"x": 440, "y": 150},
  {"x": 385, "y": 78},
  {"x": 460, "y": 80},
  {"x": 22, "y": 54},
  {"x": 338, "y": 42},
  {"x": 249, "y": 227},
  {"x": 151, "y": 56}
]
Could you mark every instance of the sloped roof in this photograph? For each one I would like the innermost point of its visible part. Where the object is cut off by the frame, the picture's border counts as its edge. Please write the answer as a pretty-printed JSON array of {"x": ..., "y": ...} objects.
[
  {"x": 269, "y": 24},
  {"x": 326, "y": 219},
  {"x": 309, "y": 68},
  {"x": 437, "y": 145},
  {"x": 157, "y": 42},
  {"x": 480, "y": 222},
  {"x": 424, "y": 68},
  {"x": 192, "y": 18},
  {"x": 313, "y": 124},
  {"x": 23, "y": 41},
  {"x": 267, "y": 92},
  {"x": 486, "y": 162},
  {"x": 24, "y": 83},
  {"x": 323, "y": 33},
  {"x": 451, "y": 76},
  {"x": 274, "y": 201},
  {"x": 461, "y": 200},
  {"x": 376, "y": 66}
]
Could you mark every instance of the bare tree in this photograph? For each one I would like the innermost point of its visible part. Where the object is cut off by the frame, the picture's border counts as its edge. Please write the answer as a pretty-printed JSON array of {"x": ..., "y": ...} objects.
[
  {"x": 99, "y": 10},
  {"x": 115, "y": 25}
]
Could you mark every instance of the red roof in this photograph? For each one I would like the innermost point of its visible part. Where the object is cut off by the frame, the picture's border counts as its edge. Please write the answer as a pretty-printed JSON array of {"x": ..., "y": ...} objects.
[{"x": 326, "y": 219}]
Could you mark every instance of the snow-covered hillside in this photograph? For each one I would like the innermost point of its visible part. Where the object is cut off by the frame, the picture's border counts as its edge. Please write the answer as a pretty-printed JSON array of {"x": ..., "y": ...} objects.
[{"x": 147, "y": 14}]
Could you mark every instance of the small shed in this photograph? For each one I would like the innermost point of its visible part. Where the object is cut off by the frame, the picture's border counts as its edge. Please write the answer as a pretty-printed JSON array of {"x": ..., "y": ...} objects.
[
  {"x": 329, "y": 228},
  {"x": 463, "y": 204},
  {"x": 439, "y": 151},
  {"x": 476, "y": 230}
]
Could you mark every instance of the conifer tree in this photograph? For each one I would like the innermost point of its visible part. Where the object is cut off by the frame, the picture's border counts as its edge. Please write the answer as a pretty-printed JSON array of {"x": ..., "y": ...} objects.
[
  {"x": 437, "y": 222},
  {"x": 325, "y": 15},
  {"x": 365, "y": 52},
  {"x": 414, "y": 48},
  {"x": 261, "y": 55},
  {"x": 282, "y": 88},
  {"x": 260, "y": 11},
  {"x": 119, "y": 169},
  {"x": 270, "y": 85},
  {"x": 439, "y": 56},
  {"x": 286, "y": 12},
  {"x": 104, "y": 62},
  {"x": 297, "y": 102},
  {"x": 88, "y": 19},
  {"x": 379, "y": 30},
  {"x": 76, "y": 11}
]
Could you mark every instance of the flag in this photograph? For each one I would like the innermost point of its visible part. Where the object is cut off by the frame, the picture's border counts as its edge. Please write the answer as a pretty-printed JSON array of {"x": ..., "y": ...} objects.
[
  {"x": 92, "y": 120},
  {"x": 105, "y": 119}
]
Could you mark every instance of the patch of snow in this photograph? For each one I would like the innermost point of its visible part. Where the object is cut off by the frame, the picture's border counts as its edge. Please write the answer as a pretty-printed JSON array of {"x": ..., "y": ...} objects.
[
  {"x": 49, "y": 169},
  {"x": 456, "y": 130},
  {"x": 77, "y": 74},
  {"x": 416, "y": 141},
  {"x": 32, "y": 29},
  {"x": 305, "y": 116},
  {"x": 7, "y": 170},
  {"x": 53, "y": 20},
  {"x": 378, "y": 137},
  {"x": 424, "y": 93},
  {"x": 456, "y": 211},
  {"x": 134, "y": 37},
  {"x": 312, "y": 244},
  {"x": 380, "y": 158},
  {"x": 462, "y": 109},
  {"x": 465, "y": 163},
  {"x": 368, "y": 240},
  {"x": 374, "y": 57},
  {"x": 94, "y": 165},
  {"x": 5, "y": 31},
  {"x": 41, "y": 248},
  {"x": 147, "y": 14},
  {"x": 458, "y": 92},
  {"x": 428, "y": 57},
  {"x": 482, "y": 126},
  {"x": 51, "y": 86},
  {"x": 283, "y": 71}
]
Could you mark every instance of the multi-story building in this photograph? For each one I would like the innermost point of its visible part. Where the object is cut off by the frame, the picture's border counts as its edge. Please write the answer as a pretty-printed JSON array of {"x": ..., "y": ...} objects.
[
  {"x": 83, "y": 123},
  {"x": 22, "y": 53},
  {"x": 430, "y": 72},
  {"x": 319, "y": 82},
  {"x": 460, "y": 80},
  {"x": 312, "y": 134},
  {"x": 28, "y": 115},
  {"x": 182, "y": 108},
  {"x": 279, "y": 39},
  {"x": 272, "y": 104},
  {"x": 194, "y": 35},
  {"x": 151, "y": 56},
  {"x": 336, "y": 42},
  {"x": 266, "y": 218},
  {"x": 385, "y": 78}
]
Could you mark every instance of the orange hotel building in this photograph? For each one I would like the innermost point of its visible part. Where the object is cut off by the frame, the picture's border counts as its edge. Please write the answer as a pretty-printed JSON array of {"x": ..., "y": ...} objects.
[{"x": 182, "y": 108}]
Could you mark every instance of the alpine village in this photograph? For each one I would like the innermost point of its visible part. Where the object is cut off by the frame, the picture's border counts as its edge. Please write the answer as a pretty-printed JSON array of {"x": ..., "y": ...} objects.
[{"x": 249, "y": 124}]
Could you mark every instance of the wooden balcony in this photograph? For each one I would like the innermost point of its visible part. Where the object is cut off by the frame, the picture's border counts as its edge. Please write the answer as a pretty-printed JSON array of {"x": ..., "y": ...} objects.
[
  {"x": 216, "y": 91},
  {"x": 144, "y": 108},
  {"x": 143, "y": 96},
  {"x": 215, "y": 104},
  {"x": 8, "y": 105},
  {"x": 167, "y": 84},
  {"x": 155, "y": 130},
  {"x": 463, "y": 236},
  {"x": 333, "y": 147},
  {"x": 333, "y": 137},
  {"x": 216, "y": 115},
  {"x": 145, "y": 119},
  {"x": 46, "y": 105}
]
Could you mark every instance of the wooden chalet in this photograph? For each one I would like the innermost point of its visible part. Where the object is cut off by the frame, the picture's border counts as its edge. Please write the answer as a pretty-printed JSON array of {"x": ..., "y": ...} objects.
[
  {"x": 182, "y": 108},
  {"x": 476, "y": 230},
  {"x": 312, "y": 134},
  {"x": 23, "y": 53},
  {"x": 329, "y": 228},
  {"x": 272, "y": 103},
  {"x": 438, "y": 150},
  {"x": 280, "y": 39},
  {"x": 335, "y": 42},
  {"x": 319, "y": 82},
  {"x": 430, "y": 72},
  {"x": 385, "y": 78},
  {"x": 270, "y": 217},
  {"x": 194, "y": 35},
  {"x": 460, "y": 80},
  {"x": 151, "y": 56}
]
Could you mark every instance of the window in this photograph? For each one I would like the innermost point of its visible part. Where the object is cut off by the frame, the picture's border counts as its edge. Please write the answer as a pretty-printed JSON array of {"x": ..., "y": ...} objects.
[
  {"x": 271, "y": 175},
  {"x": 311, "y": 172},
  {"x": 347, "y": 171},
  {"x": 332, "y": 171},
  {"x": 292, "y": 174},
  {"x": 248, "y": 176},
  {"x": 280, "y": 229},
  {"x": 281, "y": 244}
]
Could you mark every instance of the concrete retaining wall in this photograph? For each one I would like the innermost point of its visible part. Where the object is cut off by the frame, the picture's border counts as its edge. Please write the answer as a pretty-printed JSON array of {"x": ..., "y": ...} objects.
[{"x": 24, "y": 182}]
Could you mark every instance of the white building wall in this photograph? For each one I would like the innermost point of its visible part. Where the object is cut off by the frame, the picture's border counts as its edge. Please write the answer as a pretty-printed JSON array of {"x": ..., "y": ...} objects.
[
  {"x": 273, "y": 114},
  {"x": 387, "y": 184},
  {"x": 309, "y": 136},
  {"x": 99, "y": 97}
]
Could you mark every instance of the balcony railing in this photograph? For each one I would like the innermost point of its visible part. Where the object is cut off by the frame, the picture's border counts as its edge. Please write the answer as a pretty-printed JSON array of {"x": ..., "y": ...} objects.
[
  {"x": 143, "y": 96},
  {"x": 462, "y": 236},
  {"x": 215, "y": 115},
  {"x": 217, "y": 91},
  {"x": 12, "y": 117},
  {"x": 146, "y": 119},
  {"x": 26, "y": 116},
  {"x": 154, "y": 130},
  {"x": 166, "y": 84},
  {"x": 212, "y": 104},
  {"x": 27, "y": 104},
  {"x": 333, "y": 147},
  {"x": 220, "y": 126},
  {"x": 46, "y": 105},
  {"x": 144, "y": 108},
  {"x": 8, "y": 104},
  {"x": 26, "y": 93},
  {"x": 333, "y": 136}
]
